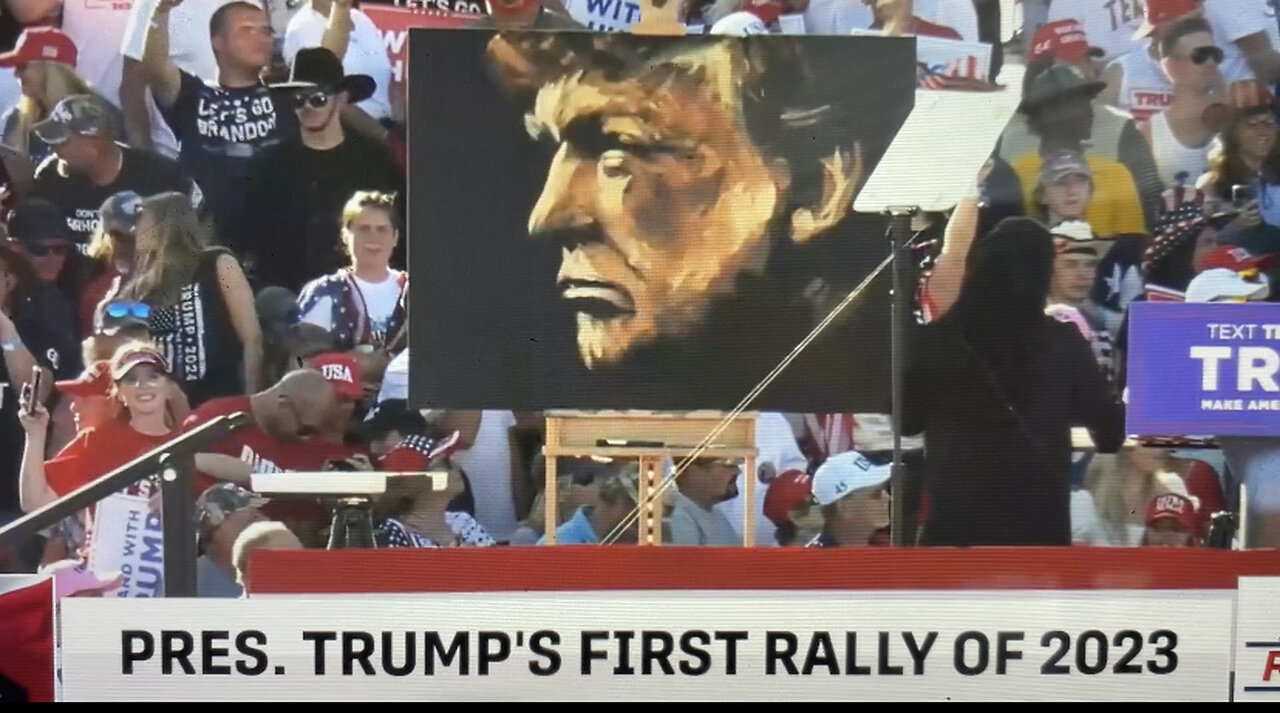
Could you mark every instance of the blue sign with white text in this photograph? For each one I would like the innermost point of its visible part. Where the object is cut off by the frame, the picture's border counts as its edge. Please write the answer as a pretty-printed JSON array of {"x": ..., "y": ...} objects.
[{"x": 1204, "y": 369}]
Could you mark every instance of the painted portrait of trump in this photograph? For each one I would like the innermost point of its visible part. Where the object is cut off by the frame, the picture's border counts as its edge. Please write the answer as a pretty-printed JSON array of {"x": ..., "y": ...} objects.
[{"x": 689, "y": 201}]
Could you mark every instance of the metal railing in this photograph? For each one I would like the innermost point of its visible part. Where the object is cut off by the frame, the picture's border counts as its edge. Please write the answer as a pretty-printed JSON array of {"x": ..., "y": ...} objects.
[{"x": 175, "y": 462}]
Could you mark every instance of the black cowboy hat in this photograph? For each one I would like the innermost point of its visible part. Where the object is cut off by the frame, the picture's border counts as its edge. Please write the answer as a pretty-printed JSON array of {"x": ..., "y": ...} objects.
[{"x": 320, "y": 67}]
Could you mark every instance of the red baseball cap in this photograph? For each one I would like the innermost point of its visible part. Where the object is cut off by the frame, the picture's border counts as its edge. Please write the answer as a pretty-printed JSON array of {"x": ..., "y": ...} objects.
[
  {"x": 343, "y": 371},
  {"x": 1064, "y": 40},
  {"x": 41, "y": 43},
  {"x": 415, "y": 453},
  {"x": 1236, "y": 259},
  {"x": 787, "y": 492},
  {"x": 1173, "y": 506},
  {"x": 127, "y": 357},
  {"x": 93, "y": 381},
  {"x": 1161, "y": 11}
]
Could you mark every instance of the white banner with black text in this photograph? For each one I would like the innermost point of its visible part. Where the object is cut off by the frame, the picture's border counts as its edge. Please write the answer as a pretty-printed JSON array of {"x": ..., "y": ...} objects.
[{"x": 765, "y": 645}]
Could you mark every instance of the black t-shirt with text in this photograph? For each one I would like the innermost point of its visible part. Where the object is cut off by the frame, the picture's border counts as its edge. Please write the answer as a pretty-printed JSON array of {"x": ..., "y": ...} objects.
[
  {"x": 144, "y": 172},
  {"x": 222, "y": 130}
]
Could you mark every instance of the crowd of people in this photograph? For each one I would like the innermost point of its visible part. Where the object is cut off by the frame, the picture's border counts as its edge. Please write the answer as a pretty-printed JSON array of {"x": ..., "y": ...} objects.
[{"x": 205, "y": 207}]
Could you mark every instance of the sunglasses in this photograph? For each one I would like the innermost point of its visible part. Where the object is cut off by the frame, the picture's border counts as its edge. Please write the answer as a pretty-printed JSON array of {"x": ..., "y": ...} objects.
[
  {"x": 151, "y": 379},
  {"x": 315, "y": 100},
  {"x": 41, "y": 249},
  {"x": 120, "y": 310},
  {"x": 1200, "y": 55}
]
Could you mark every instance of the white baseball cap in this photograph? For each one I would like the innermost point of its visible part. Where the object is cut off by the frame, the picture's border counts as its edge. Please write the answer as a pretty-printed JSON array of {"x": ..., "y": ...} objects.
[
  {"x": 844, "y": 473},
  {"x": 1222, "y": 283},
  {"x": 1077, "y": 230},
  {"x": 740, "y": 24}
]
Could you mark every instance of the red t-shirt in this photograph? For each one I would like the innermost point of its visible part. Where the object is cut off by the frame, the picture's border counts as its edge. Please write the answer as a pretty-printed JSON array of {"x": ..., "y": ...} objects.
[
  {"x": 255, "y": 446},
  {"x": 95, "y": 452}
]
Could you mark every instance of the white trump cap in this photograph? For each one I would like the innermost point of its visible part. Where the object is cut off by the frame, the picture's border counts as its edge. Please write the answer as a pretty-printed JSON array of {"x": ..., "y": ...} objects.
[{"x": 844, "y": 473}]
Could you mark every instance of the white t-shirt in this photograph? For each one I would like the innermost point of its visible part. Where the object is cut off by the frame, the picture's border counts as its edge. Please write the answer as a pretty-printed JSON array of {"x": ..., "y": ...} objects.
[
  {"x": 98, "y": 28},
  {"x": 1144, "y": 87},
  {"x": 380, "y": 300},
  {"x": 604, "y": 15},
  {"x": 366, "y": 53},
  {"x": 488, "y": 467},
  {"x": 1232, "y": 20},
  {"x": 395, "y": 380},
  {"x": 1108, "y": 24},
  {"x": 189, "y": 47},
  {"x": 959, "y": 16},
  {"x": 836, "y": 17},
  {"x": 775, "y": 445}
]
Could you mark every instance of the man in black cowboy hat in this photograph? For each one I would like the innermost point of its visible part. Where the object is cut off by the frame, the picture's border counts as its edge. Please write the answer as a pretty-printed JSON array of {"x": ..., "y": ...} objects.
[{"x": 297, "y": 189}]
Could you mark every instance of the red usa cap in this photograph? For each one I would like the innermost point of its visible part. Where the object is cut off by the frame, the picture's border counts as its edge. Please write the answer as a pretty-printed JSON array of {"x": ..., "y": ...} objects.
[
  {"x": 1235, "y": 259},
  {"x": 341, "y": 370},
  {"x": 1176, "y": 507}
]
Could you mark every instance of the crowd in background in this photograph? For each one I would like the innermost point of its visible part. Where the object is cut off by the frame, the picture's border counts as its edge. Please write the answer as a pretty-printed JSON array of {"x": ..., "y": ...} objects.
[{"x": 205, "y": 215}]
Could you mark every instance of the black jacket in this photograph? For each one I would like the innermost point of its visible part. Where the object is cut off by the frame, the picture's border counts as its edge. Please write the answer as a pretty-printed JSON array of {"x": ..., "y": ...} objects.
[{"x": 996, "y": 474}]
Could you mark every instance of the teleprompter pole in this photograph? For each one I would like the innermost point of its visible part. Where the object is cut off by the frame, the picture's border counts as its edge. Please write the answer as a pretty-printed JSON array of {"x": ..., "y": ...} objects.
[{"x": 901, "y": 315}]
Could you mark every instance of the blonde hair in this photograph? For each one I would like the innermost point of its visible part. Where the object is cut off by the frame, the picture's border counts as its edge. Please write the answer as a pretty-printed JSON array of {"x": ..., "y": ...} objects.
[
  {"x": 60, "y": 82},
  {"x": 161, "y": 271},
  {"x": 102, "y": 245},
  {"x": 359, "y": 201}
]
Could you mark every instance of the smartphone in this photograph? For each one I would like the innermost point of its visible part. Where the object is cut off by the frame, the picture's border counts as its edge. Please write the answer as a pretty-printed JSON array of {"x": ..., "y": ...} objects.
[
  {"x": 1241, "y": 195},
  {"x": 31, "y": 390}
]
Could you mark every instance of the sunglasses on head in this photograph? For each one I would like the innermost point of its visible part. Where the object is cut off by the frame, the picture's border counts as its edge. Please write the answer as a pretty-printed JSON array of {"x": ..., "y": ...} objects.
[
  {"x": 120, "y": 310},
  {"x": 315, "y": 100},
  {"x": 1200, "y": 55}
]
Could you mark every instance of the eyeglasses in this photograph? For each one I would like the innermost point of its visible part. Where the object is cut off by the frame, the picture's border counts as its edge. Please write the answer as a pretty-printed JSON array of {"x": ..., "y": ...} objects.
[
  {"x": 315, "y": 100},
  {"x": 1200, "y": 55},
  {"x": 120, "y": 310},
  {"x": 1262, "y": 122}
]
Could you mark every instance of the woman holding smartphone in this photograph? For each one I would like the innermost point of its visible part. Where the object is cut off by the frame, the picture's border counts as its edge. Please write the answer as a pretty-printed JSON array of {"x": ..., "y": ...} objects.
[
  {"x": 1244, "y": 175},
  {"x": 142, "y": 421}
]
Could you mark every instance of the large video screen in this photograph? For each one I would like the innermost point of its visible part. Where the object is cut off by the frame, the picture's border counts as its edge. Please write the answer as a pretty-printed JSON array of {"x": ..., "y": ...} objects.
[{"x": 631, "y": 222}]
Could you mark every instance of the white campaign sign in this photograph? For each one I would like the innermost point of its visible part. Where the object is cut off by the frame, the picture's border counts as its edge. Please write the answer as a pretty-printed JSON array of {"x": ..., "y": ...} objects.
[
  {"x": 128, "y": 538},
  {"x": 767, "y": 645},
  {"x": 1257, "y": 654}
]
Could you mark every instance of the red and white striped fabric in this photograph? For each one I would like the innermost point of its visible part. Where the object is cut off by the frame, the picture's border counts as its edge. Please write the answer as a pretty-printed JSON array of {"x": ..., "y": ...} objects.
[
  {"x": 1157, "y": 293},
  {"x": 1173, "y": 197},
  {"x": 830, "y": 433}
]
